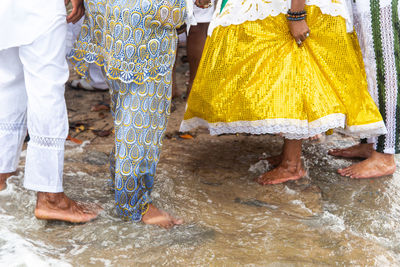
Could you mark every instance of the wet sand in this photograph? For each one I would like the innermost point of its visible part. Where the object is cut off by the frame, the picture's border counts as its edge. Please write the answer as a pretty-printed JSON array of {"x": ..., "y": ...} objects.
[{"x": 320, "y": 220}]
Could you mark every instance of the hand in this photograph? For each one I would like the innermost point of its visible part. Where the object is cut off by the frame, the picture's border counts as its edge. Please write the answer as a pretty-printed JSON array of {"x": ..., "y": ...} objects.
[
  {"x": 203, "y": 3},
  {"x": 299, "y": 30},
  {"x": 78, "y": 10}
]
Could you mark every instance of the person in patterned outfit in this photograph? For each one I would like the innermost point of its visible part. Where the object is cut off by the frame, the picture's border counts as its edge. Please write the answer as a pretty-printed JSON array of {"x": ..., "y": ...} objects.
[
  {"x": 378, "y": 27},
  {"x": 135, "y": 43}
]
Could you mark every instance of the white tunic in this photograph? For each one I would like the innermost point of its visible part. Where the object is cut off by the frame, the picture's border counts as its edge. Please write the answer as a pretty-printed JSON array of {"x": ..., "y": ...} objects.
[{"x": 22, "y": 21}]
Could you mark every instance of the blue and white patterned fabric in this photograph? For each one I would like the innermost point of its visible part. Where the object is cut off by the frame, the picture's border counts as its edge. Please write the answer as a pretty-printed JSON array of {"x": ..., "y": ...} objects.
[
  {"x": 135, "y": 42},
  {"x": 140, "y": 115}
]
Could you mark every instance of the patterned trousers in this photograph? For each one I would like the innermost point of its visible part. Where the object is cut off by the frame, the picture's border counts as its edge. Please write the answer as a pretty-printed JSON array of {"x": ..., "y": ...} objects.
[
  {"x": 140, "y": 113},
  {"x": 378, "y": 28}
]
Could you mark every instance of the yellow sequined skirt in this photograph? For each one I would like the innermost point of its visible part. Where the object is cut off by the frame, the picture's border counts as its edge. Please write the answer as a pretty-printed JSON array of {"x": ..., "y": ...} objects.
[{"x": 253, "y": 78}]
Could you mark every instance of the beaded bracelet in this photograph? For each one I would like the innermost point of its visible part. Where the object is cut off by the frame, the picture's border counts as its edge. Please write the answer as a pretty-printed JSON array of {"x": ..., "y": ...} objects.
[
  {"x": 296, "y": 16},
  {"x": 296, "y": 13}
]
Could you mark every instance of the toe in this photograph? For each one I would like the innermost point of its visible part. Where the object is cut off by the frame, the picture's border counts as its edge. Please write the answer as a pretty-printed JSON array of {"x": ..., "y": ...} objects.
[
  {"x": 348, "y": 173},
  {"x": 169, "y": 225},
  {"x": 177, "y": 221},
  {"x": 344, "y": 172},
  {"x": 351, "y": 174},
  {"x": 332, "y": 151}
]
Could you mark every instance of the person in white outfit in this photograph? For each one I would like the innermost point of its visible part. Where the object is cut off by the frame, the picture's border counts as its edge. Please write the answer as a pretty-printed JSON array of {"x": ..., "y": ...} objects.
[
  {"x": 33, "y": 72},
  {"x": 377, "y": 24}
]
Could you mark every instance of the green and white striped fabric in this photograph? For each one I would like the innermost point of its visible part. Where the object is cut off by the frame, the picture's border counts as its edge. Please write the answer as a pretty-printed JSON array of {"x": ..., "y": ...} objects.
[{"x": 378, "y": 27}]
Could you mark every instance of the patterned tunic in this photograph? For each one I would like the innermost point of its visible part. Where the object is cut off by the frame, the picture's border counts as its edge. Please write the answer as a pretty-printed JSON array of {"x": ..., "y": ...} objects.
[{"x": 133, "y": 40}]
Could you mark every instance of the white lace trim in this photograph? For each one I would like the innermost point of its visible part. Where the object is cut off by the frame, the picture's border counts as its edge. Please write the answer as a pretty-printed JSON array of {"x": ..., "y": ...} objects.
[
  {"x": 12, "y": 127},
  {"x": 366, "y": 130},
  {"x": 391, "y": 86},
  {"x": 47, "y": 142},
  {"x": 239, "y": 11},
  {"x": 290, "y": 128}
]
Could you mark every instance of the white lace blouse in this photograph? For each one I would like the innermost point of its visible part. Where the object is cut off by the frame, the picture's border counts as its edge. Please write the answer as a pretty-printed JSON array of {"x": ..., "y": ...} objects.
[{"x": 238, "y": 11}]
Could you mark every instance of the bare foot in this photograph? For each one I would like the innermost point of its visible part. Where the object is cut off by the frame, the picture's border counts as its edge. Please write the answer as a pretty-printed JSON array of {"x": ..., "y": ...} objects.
[
  {"x": 57, "y": 206},
  {"x": 378, "y": 165},
  {"x": 281, "y": 174},
  {"x": 358, "y": 151},
  {"x": 160, "y": 218},
  {"x": 3, "y": 179}
]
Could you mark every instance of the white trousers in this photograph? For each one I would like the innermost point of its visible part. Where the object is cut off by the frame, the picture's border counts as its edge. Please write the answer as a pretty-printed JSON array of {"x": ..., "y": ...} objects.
[{"x": 32, "y": 84}]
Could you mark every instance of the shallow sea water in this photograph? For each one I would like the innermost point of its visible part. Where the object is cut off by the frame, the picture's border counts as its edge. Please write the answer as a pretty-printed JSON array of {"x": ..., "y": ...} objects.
[{"x": 320, "y": 220}]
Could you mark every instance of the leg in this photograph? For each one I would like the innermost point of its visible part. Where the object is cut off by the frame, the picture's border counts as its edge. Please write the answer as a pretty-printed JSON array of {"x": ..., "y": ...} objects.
[
  {"x": 384, "y": 81},
  {"x": 289, "y": 169},
  {"x": 276, "y": 160},
  {"x": 174, "y": 82},
  {"x": 45, "y": 72},
  {"x": 13, "y": 101},
  {"x": 195, "y": 44},
  {"x": 155, "y": 215},
  {"x": 139, "y": 129},
  {"x": 97, "y": 79}
]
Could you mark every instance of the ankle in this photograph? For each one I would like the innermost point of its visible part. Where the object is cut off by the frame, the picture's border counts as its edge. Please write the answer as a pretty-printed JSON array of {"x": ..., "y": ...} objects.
[
  {"x": 50, "y": 199},
  {"x": 368, "y": 147},
  {"x": 291, "y": 165},
  {"x": 383, "y": 156}
]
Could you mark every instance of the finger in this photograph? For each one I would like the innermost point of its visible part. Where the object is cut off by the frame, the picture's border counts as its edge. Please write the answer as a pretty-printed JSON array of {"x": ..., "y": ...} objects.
[
  {"x": 78, "y": 15},
  {"x": 66, "y": 2},
  {"x": 74, "y": 18},
  {"x": 73, "y": 13},
  {"x": 82, "y": 13}
]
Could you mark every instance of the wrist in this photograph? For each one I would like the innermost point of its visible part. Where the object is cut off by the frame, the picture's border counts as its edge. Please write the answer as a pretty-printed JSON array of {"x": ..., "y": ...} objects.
[
  {"x": 296, "y": 15},
  {"x": 297, "y": 5}
]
